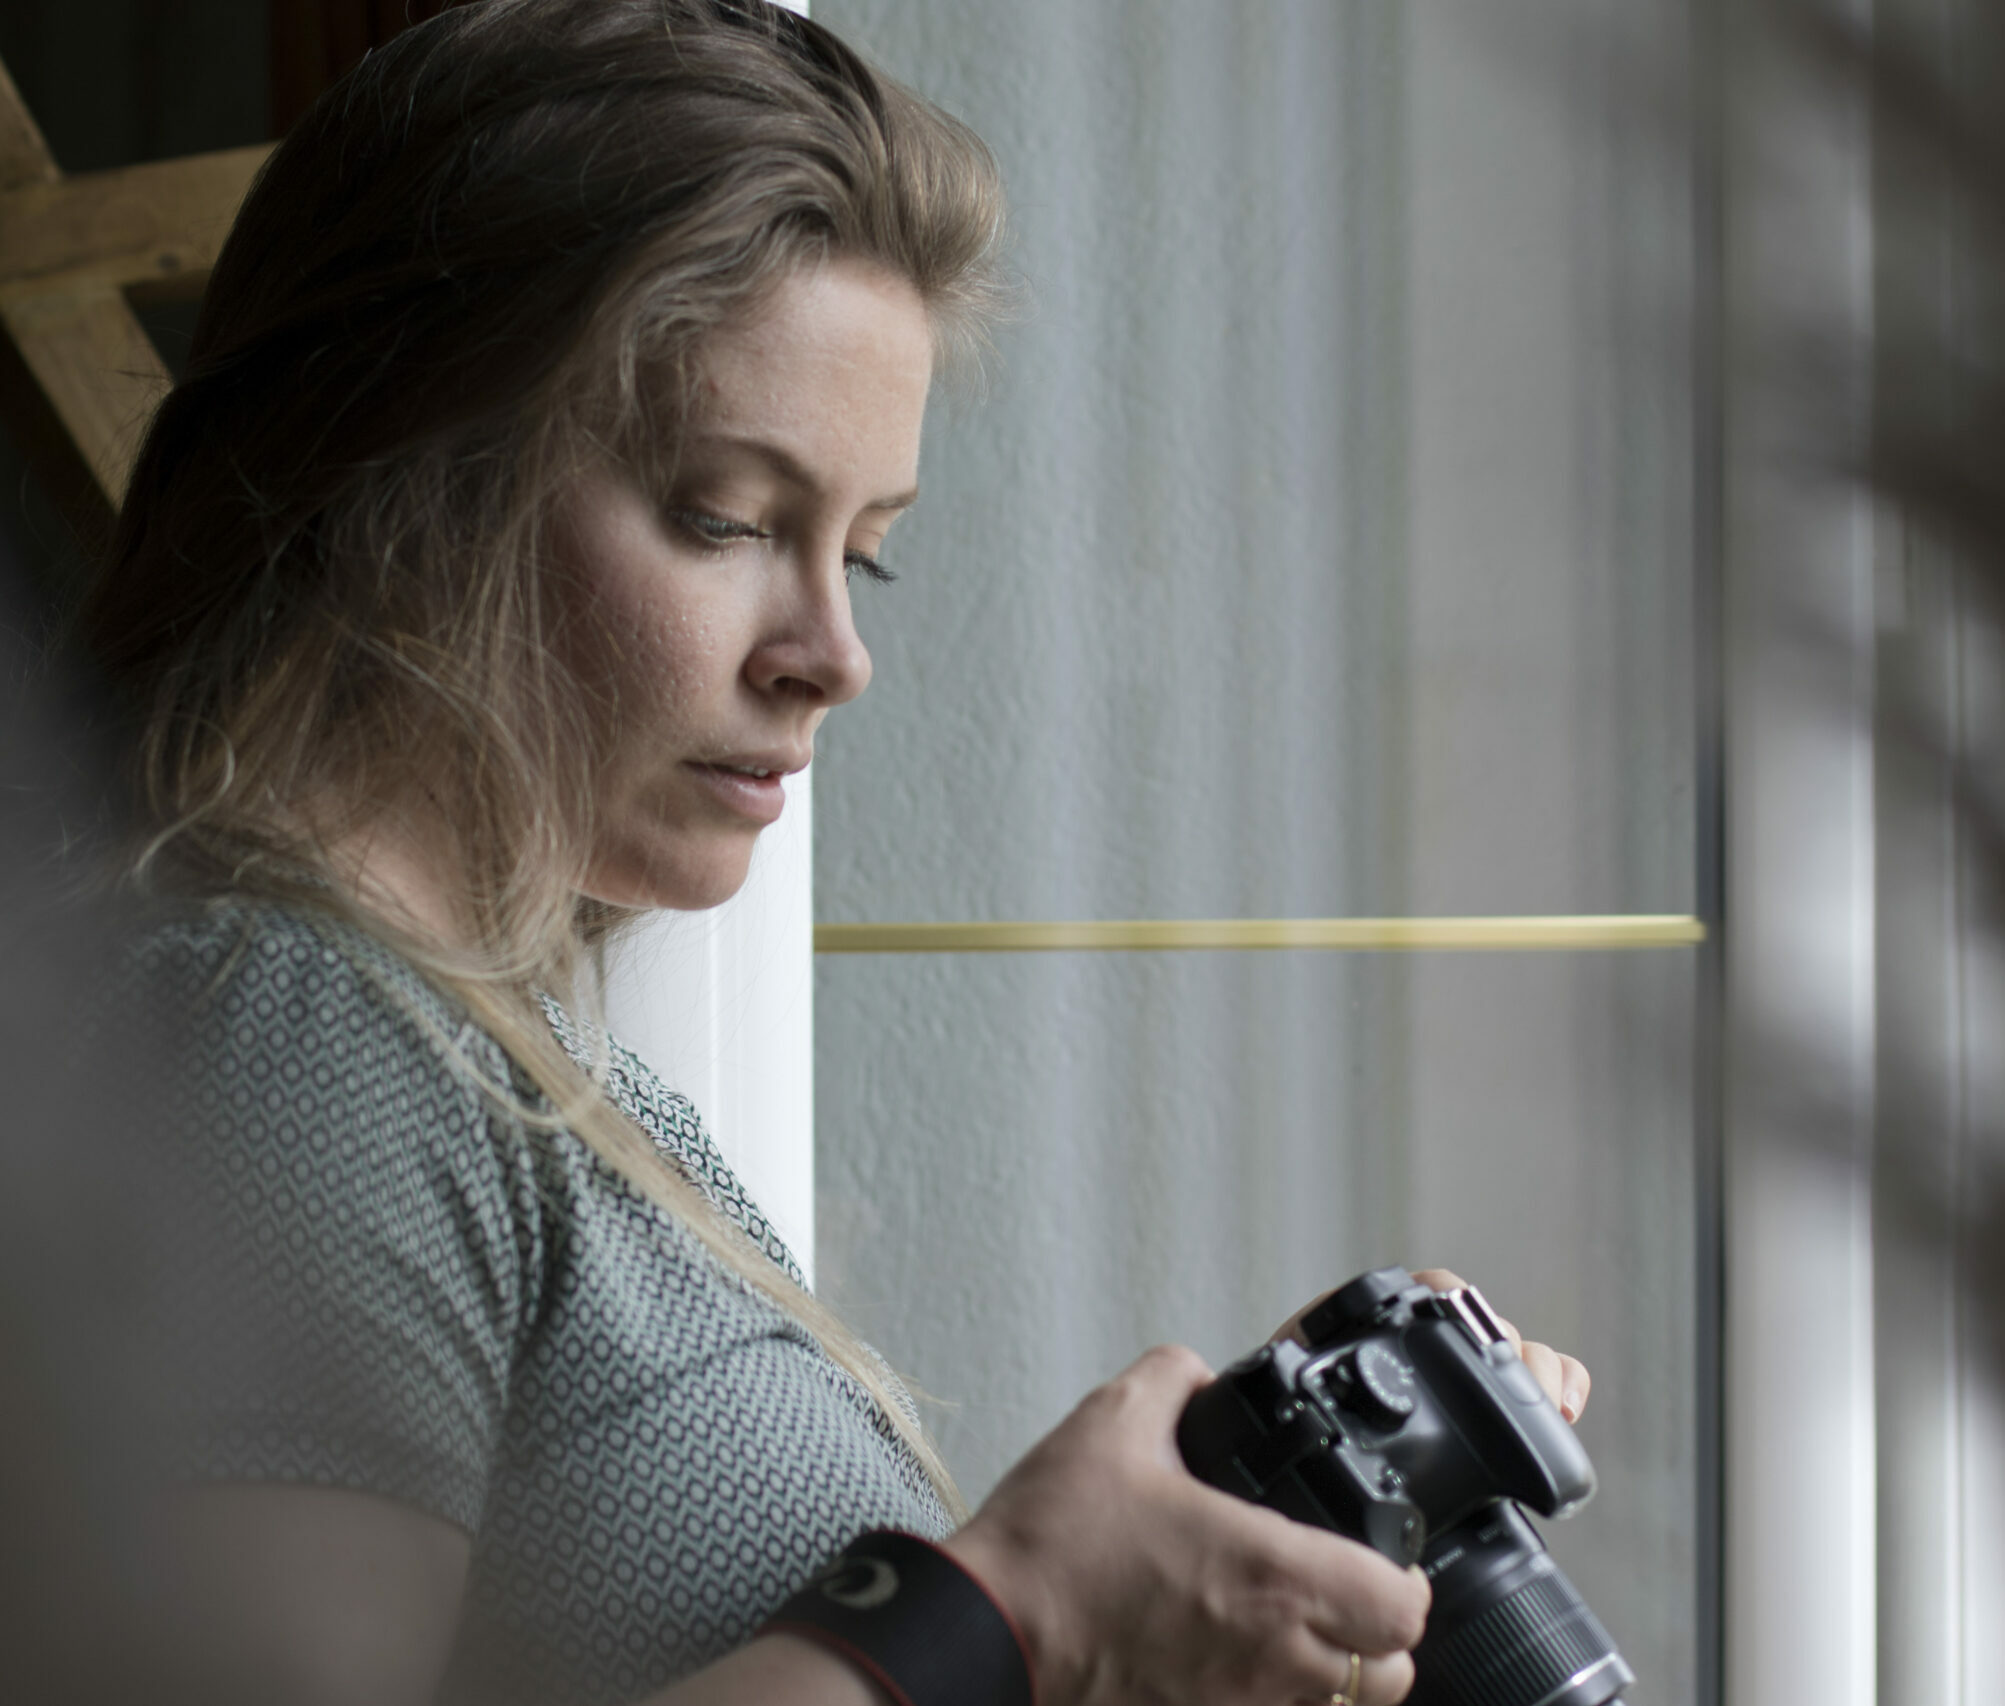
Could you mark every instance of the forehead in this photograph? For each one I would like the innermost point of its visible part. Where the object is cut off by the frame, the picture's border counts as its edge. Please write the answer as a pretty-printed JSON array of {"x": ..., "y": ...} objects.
[{"x": 845, "y": 346}]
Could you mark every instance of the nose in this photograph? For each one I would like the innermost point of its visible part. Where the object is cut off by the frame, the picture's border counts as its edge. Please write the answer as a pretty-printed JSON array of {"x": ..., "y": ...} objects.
[{"x": 814, "y": 650}]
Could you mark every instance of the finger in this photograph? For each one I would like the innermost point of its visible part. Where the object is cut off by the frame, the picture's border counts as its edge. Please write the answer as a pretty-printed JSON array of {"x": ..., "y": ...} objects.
[
  {"x": 1575, "y": 1384},
  {"x": 1344, "y": 1592},
  {"x": 1292, "y": 1327},
  {"x": 1546, "y": 1366},
  {"x": 1365, "y": 1602},
  {"x": 1382, "y": 1681},
  {"x": 1161, "y": 1378},
  {"x": 1148, "y": 1396},
  {"x": 1386, "y": 1681}
]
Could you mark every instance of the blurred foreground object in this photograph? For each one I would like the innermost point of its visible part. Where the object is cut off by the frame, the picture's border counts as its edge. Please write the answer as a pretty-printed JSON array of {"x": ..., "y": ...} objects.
[
  {"x": 1936, "y": 462},
  {"x": 73, "y": 1379},
  {"x": 1863, "y": 498}
]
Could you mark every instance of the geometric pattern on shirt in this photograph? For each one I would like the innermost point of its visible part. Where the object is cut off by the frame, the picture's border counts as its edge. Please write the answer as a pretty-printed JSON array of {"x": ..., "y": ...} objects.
[
  {"x": 670, "y": 1119},
  {"x": 394, "y": 1285}
]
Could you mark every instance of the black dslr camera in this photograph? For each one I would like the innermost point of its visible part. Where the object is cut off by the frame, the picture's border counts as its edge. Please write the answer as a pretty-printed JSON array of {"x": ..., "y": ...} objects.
[{"x": 1413, "y": 1426}]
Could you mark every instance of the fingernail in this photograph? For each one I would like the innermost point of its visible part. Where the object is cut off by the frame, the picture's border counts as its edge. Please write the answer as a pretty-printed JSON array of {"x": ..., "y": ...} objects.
[{"x": 1569, "y": 1406}]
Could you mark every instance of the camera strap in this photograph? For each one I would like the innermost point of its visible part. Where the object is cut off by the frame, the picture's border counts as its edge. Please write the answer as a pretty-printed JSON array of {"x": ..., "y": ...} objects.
[{"x": 915, "y": 1622}]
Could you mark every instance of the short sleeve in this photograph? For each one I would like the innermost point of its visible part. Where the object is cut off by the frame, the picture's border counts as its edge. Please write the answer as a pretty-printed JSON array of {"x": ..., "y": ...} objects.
[{"x": 356, "y": 1225}]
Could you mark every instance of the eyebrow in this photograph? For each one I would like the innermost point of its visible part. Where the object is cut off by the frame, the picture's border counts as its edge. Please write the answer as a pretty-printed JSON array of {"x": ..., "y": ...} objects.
[{"x": 790, "y": 467}]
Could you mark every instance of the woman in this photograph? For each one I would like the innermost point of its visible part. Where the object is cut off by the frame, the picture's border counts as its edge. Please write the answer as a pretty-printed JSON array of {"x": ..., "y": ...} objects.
[{"x": 476, "y": 588}]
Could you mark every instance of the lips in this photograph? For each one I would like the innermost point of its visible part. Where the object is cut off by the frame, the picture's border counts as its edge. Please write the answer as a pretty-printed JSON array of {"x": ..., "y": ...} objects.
[
  {"x": 777, "y": 762},
  {"x": 749, "y": 788}
]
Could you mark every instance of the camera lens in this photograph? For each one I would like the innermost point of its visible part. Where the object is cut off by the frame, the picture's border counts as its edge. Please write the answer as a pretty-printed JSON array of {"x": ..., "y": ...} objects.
[{"x": 1507, "y": 1627}]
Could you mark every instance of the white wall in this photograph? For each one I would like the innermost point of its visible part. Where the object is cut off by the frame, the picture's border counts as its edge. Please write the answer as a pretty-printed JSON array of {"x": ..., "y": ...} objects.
[{"x": 721, "y": 1004}]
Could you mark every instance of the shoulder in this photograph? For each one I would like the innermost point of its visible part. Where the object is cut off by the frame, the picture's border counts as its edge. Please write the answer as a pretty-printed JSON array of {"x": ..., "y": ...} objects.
[
  {"x": 351, "y": 1225},
  {"x": 317, "y": 1089},
  {"x": 261, "y": 971},
  {"x": 284, "y": 1009}
]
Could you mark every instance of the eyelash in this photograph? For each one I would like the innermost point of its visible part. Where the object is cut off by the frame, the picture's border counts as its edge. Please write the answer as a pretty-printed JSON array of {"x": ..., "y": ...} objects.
[
  {"x": 863, "y": 563},
  {"x": 717, "y": 531}
]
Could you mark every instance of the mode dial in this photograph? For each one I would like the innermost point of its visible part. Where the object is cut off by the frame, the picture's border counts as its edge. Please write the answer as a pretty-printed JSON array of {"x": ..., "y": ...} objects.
[{"x": 1377, "y": 1384}]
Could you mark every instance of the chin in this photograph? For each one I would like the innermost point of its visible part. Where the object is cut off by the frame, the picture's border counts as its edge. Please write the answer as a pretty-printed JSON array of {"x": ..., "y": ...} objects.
[{"x": 670, "y": 884}]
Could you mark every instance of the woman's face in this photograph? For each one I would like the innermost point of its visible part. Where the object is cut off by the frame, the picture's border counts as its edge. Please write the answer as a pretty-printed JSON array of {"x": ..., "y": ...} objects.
[{"x": 720, "y": 612}]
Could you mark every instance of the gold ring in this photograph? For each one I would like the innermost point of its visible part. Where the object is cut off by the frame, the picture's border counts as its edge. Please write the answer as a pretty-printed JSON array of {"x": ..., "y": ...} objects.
[{"x": 1349, "y": 1696}]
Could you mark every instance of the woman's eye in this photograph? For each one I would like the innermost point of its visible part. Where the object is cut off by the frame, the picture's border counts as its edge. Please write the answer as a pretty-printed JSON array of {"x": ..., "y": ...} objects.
[
  {"x": 718, "y": 531},
  {"x": 864, "y": 564},
  {"x": 711, "y": 529}
]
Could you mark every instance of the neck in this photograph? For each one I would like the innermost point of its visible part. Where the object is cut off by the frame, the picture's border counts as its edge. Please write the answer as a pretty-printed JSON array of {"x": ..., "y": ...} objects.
[{"x": 397, "y": 870}]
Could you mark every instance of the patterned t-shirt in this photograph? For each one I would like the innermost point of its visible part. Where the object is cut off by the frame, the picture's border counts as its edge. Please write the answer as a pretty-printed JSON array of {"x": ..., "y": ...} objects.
[{"x": 398, "y": 1285}]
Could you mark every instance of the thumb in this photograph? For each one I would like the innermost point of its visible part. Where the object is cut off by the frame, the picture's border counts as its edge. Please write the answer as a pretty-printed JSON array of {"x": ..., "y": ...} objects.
[
  {"x": 1146, "y": 1400},
  {"x": 1165, "y": 1377}
]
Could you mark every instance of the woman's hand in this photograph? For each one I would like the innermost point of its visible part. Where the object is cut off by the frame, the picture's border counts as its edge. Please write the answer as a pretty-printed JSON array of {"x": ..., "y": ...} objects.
[
  {"x": 1133, "y": 1582},
  {"x": 1565, "y": 1379}
]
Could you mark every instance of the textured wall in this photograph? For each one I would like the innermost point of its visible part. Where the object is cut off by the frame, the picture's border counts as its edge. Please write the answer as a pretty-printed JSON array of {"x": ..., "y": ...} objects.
[{"x": 1325, "y": 548}]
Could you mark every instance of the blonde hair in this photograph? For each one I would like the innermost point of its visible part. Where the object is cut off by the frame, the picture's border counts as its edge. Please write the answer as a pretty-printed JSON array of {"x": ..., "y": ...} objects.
[{"x": 484, "y": 262}]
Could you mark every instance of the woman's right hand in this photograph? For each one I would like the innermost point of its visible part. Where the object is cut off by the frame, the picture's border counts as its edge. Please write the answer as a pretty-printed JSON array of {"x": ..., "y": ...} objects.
[{"x": 1133, "y": 1582}]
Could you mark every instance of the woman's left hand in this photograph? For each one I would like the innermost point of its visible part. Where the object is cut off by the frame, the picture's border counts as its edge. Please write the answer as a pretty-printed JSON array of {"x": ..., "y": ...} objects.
[{"x": 1564, "y": 1378}]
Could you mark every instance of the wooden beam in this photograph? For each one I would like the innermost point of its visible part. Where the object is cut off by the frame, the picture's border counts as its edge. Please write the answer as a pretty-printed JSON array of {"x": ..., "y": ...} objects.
[
  {"x": 81, "y": 376},
  {"x": 158, "y": 223},
  {"x": 69, "y": 249},
  {"x": 24, "y": 156},
  {"x": 98, "y": 370}
]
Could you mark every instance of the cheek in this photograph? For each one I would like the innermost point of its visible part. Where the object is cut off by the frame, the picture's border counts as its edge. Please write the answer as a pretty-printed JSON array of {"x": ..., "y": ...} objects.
[{"x": 665, "y": 651}]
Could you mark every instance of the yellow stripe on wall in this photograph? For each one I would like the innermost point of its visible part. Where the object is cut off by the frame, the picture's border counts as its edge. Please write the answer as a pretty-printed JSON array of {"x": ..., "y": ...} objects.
[{"x": 1633, "y": 930}]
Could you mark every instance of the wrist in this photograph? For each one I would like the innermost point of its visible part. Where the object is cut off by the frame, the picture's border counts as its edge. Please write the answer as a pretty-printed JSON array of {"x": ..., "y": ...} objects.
[{"x": 1004, "y": 1565}]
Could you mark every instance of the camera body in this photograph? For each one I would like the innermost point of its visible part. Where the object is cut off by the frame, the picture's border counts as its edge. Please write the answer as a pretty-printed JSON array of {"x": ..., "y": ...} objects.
[
  {"x": 1409, "y": 1422},
  {"x": 1411, "y": 1411}
]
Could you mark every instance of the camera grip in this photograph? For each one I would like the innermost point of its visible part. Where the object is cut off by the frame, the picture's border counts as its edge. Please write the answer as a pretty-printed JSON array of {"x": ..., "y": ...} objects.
[{"x": 1530, "y": 1452}]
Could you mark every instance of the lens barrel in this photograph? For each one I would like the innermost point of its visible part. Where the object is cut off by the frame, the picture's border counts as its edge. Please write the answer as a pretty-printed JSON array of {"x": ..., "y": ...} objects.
[{"x": 1507, "y": 1628}]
